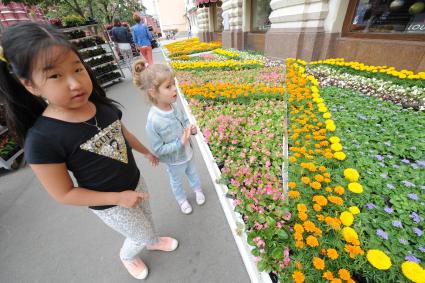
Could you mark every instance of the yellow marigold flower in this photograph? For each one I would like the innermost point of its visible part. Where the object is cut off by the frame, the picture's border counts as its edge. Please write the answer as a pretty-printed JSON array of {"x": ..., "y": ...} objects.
[
  {"x": 336, "y": 280},
  {"x": 332, "y": 254},
  {"x": 336, "y": 147},
  {"x": 319, "y": 178},
  {"x": 349, "y": 234},
  {"x": 344, "y": 274},
  {"x": 355, "y": 188},
  {"x": 292, "y": 185},
  {"x": 328, "y": 275},
  {"x": 351, "y": 174},
  {"x": 318, "y": 263},
  {"x": 379, "y": 259},
  {"x": 293, "y": 194},
  {"x": 339, "y": 155},
  {"x": 312, "y": 241},
  {"x": 330, "y": 127},
  {"x": 354, "y": 210},
  {"x": 413, "y": 271},
  {"x": 292, "y": 159},
  {"x": 298, "y": 276},
  {"x": 346, "y": 218},
  {"x": 315, "y": 185},
  {"x": 334, "y": 139}
]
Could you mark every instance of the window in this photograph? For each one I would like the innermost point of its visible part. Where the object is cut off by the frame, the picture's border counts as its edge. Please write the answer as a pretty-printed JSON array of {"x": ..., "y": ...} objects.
[
  {"x": 260, "y": 15},
  {"x": 386, "y": 18}
]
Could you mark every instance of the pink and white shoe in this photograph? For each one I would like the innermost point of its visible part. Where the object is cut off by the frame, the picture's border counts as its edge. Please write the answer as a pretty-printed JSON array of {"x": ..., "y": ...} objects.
[
  {"x": 136, "y": 268},
  {"x": 166, "y": 244}
]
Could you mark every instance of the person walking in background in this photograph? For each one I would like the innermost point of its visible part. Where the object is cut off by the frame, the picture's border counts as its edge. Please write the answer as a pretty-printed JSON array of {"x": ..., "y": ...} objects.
[
  {"x": 169, "y": 130},
  {"x": 65, "y": 121},
  {"x": 142, "y": 38},
  {"x": 122, "y": 38}
]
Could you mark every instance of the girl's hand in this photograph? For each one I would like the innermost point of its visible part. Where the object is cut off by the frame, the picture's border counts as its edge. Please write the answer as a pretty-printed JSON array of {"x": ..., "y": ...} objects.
[
  {"x": 152, "y": 159},
  {"x": 186, "y": 136},
  {"x": 131, "y": 199},
  {"x": 193, "y": 129}
]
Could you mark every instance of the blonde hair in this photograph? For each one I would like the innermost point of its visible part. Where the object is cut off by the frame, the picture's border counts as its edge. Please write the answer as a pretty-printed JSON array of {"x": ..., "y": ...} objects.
[{"x": 150, "y": 78}]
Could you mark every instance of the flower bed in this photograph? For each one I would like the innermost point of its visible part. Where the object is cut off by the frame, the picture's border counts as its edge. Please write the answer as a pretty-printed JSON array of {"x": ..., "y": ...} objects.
[{"x": 190, "y": 46}]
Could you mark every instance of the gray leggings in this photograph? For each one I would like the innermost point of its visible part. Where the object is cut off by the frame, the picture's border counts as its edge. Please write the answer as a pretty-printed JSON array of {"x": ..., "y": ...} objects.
[{"x": 136, "y": 224}]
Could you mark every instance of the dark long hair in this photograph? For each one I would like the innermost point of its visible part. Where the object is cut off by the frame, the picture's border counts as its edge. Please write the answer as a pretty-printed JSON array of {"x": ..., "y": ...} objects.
[{"x": 23, "y": 44}]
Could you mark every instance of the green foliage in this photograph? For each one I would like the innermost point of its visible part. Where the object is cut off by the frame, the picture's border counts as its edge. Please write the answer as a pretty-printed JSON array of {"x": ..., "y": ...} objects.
[{"x": 73, "y": 20}]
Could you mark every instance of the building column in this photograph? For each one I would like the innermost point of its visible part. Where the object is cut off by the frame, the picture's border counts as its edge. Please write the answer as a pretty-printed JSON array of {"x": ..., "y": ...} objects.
[
  {"x": 203, "y": 19},
  {"x": 304, "y": 29},
  {"x": 232, "y": 36}
]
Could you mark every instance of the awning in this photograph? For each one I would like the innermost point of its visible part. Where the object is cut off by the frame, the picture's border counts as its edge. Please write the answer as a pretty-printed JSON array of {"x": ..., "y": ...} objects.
[{"x": 199, "y": 2}]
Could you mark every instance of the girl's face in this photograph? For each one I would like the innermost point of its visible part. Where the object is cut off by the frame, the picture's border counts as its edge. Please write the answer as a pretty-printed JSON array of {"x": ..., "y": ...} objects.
[
  {"x": 166, "y": 94},
  {"x": 65, "y": 83}
]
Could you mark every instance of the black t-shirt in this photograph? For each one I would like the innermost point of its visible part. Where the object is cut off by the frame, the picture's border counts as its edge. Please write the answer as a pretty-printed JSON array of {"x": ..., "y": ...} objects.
[{"x": 100, "y": 161}]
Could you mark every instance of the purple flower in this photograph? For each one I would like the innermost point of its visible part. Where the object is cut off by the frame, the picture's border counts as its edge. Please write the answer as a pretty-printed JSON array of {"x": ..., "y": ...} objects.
[
  {"x": 415, "y": 217},
  {"x": 420, "y": 162},
  {"x": 388, "y": 210},
  {"x": 397, "y": 223},
  {"x": 423, "y": 188},
  {"x": 422, "y": 249},
  {"x": 402, "y": 241},
  {"x": 412, "y": 258},
  {"x": 418, "y": 232},
  {"x": 408, "y": 184},
  {"x": 383, "y": 175},
  {"x": 379, "y": 157},
  {"x": 390, "y": 186},
  {"x": 370, "y": 206},
  {"x": 413, "y": 196},
  {"x": 381, "y": 233},
  {"x": 405, "y": 161},
  {"x": 396, "y": 166}
]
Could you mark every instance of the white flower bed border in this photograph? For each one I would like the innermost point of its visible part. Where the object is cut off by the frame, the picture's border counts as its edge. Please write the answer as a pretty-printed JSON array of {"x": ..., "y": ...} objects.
[{"x": 234, "y": 219}]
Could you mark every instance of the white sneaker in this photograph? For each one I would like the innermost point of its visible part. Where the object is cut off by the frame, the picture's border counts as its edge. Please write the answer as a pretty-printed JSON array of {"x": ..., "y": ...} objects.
[
  {"x": 185, "y": 207},
  {"x": 200, "y": 197}
]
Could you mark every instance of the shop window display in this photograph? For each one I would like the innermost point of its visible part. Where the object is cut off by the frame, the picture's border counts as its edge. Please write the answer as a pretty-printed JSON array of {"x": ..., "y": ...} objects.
[
  {"x": 389, "y": 16},
  {"x": 260, "y": 15}
]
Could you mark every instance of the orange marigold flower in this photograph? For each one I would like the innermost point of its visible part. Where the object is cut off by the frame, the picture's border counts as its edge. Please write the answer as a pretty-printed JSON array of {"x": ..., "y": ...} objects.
[
  {"x": 328, "y": 275},
  {"x": 298, "y": 265},
  {"x": 317, "y": 207},
  {"x": 353, "y": 251},
  {"x": 318, "y": 263},
  {"x": 292, "y": 185},
  {"x": 301, "y": 207},
  {"x": 292, "y": 159},
  {"x": 323, "y": 251},
  {"x": 309, "y": 226},
  {"x": 305, "y": 180},
  {"x": 320, "y": 217},
  {"x": 344, "y": 274},
  {"x": 298, "y": 276},
  {"x": 321, "y": 200},
  {"x": 298, "y": 236},
  {"x": 319, "y": 178},
  {"x": 334, "y": 223},
  {"x": 299, "y": 244},
  {"x": 298, "y": 228},
  {"x": 336, "y": 200},
  {"x": 332, "y": 254},
  {"x": 339, "y": 190},
  {"x": 303, "y": 216},
  {"x": 293, "y": 194},
  {"x": 315, "y": 185},
  {"x": 312, "y": 241},
  {"x": 328, "y": 189},
  {"x": 322, "y": 168},
  {"x": 336, "y": 280}
]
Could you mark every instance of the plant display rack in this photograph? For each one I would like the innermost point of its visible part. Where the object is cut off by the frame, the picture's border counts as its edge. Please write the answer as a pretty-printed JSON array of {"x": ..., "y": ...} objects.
[
  {"x": 6, "y": 161},
  {"x": 96, "y": 53}
]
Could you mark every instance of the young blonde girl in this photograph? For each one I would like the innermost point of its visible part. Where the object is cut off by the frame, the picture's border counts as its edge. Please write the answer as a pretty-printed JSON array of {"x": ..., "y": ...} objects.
[
  {"x": 65, "y": 121},
  {"x": 169, "y": 130}
]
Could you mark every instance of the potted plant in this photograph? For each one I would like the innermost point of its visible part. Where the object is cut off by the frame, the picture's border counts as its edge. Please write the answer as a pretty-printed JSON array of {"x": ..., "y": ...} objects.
[
  {"x": 57, "y": 22},
  {"x": 73, "y": 20}
]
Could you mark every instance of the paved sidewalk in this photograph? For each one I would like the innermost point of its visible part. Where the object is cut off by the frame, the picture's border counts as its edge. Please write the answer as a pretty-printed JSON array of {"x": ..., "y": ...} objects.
[{"x": 43, "y": 241}]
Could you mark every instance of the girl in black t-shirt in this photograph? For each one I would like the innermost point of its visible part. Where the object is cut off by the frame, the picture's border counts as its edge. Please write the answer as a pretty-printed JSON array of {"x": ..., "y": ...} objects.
[{"x": 65, "y": 121}]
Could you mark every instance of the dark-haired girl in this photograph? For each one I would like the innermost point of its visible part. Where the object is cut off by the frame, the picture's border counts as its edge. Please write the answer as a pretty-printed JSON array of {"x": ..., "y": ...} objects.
[{"x": 65, "y": 121}]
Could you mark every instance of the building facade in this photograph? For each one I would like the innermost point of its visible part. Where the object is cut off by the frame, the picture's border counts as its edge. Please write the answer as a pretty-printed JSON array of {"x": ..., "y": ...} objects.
[{"x": 376, "y": 32}]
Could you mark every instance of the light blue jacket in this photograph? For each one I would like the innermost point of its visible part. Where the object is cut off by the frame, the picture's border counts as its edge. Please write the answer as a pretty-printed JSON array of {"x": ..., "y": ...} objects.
[
  {"x": 141, "y": 35},
  {"x": 164, "y": 132}
]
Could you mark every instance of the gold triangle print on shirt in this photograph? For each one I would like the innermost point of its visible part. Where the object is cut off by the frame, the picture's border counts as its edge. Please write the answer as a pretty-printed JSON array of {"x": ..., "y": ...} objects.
[{"x": 108, "y": 142}]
